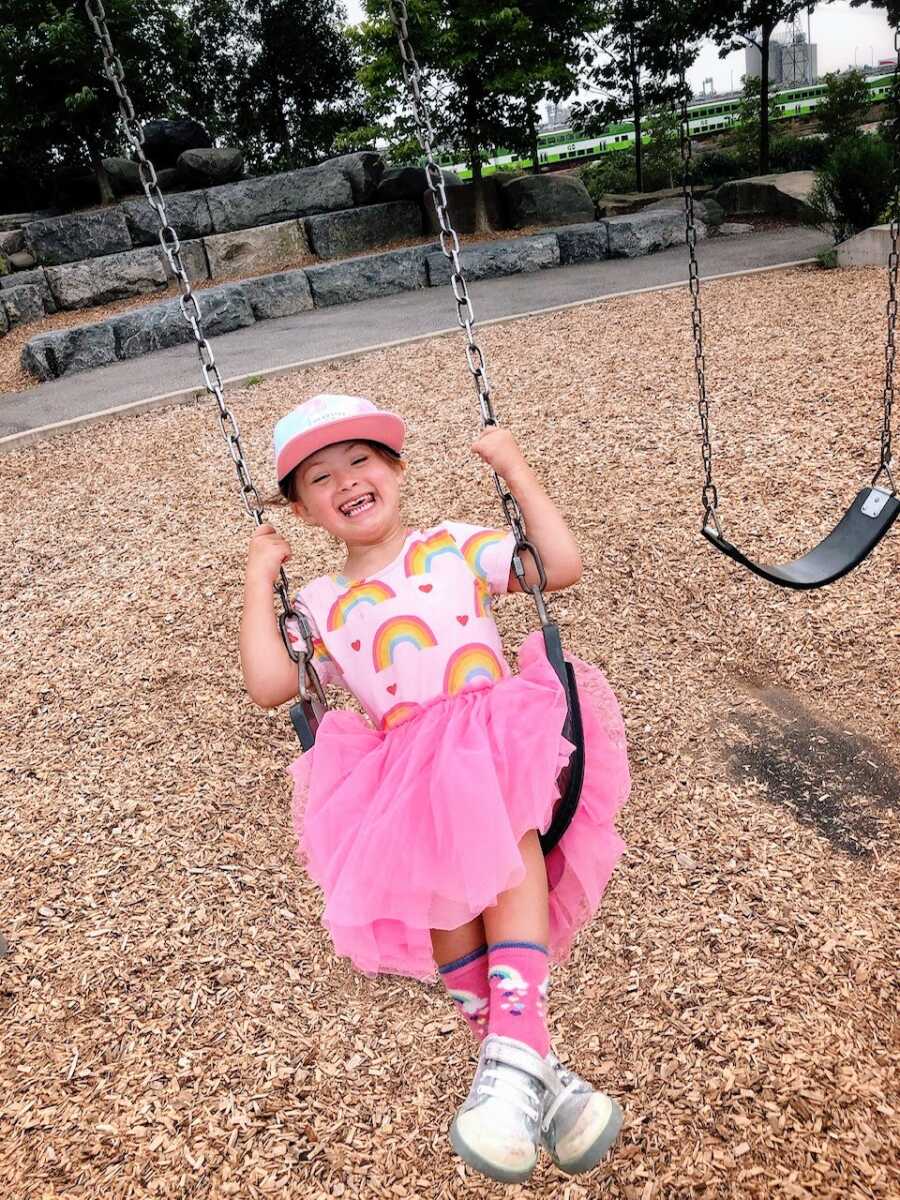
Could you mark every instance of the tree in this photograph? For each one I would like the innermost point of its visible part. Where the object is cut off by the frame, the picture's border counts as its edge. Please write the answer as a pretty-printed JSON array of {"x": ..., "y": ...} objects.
[
  {"x": 745, "y": 134},
  {"x": 486, "y": 64},
  {"x": 844, "y": 106},
  {"x": 733, "y": 24},
  {"x": 56, "y": 108},
  {"x": 631, "y": 58}
]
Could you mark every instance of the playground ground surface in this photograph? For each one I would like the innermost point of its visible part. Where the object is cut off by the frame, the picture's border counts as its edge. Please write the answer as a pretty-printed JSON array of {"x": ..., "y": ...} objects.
[{"x": 173, "y": 1021}]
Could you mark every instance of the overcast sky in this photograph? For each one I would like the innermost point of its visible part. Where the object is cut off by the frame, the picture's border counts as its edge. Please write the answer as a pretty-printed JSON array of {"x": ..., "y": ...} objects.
[{"x": 843, "y": 34}]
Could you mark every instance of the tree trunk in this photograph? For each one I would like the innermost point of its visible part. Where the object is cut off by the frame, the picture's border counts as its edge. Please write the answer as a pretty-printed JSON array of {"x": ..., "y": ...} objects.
[
  {"x": 636, "y": 102},
  {"x": 104, "y": 185},
  {"x": 481, "y": 217},
  {"x": 764, "y": 100},
  {"x": 533, "y": 142}
]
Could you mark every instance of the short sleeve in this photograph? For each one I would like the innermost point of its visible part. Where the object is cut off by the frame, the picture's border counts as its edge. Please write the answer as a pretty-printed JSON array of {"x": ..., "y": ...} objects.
[
  {"x": 487, "y": 551},
  {"x": 325, "y": 665}
]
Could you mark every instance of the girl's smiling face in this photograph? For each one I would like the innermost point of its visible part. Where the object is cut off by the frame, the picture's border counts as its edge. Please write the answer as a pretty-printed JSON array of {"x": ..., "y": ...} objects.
[{"x": 350, "y": 490}]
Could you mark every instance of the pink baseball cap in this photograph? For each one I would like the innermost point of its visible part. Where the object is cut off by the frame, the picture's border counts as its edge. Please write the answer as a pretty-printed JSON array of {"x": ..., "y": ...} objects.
[{"x": 325, "y": 419}]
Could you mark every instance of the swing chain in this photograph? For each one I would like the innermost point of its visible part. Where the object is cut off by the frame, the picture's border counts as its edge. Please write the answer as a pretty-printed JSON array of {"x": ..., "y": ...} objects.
[
  {"x": 190, "y": 309},
  {"x": 885, "y": 463},
  {"x": 465, "y": 314},
  {"x": 710, "y": 492}
]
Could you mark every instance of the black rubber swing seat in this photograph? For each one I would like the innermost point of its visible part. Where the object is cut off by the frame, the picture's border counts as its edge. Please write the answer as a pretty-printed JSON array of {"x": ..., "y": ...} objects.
[{"x": 856, "y": 535}]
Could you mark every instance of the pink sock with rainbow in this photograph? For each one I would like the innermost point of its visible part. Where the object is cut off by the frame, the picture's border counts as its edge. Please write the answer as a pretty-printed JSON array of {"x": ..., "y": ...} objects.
[
  {"x": 466, "y": 980},
  {"x": 519, "y": 978}
]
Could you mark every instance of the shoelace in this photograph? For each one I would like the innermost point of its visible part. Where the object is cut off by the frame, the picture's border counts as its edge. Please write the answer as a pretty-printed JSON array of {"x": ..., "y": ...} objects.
[
  {"x": 508, "y": 1088},
  {"x": 570, "y": 1083}
]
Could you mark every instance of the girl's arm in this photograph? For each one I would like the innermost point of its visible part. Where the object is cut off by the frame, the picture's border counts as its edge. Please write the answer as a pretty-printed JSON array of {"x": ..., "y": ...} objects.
[
  {"x": 270, "y": 675},
  {"x": 544, "y": 522}
]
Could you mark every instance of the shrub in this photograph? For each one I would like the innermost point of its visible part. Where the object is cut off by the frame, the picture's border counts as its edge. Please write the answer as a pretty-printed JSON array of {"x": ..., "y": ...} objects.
[
  {"x": 718, "y": 166},
  {"x": 792, "y": 153},
  {"x": 612, "y": 173},
  {"x": 853, "y": 188}
]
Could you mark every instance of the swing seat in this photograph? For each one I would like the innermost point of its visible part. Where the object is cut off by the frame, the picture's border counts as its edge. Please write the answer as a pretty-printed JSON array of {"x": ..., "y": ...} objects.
[
  {"x": 571, "y": 778},
  {"x": 857, "y": 533}
]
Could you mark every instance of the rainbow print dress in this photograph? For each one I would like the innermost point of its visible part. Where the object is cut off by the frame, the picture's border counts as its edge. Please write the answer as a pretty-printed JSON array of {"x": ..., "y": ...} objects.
[{"x": 409, "y": 818}]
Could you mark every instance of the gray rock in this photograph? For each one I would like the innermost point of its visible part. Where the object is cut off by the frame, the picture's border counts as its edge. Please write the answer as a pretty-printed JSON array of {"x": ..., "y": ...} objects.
[
  {"x": 582, "y": 243},
  {"x": 21, "y": 261},
  {"x": 12, "y": 242},
  {"x": 36, "y": 278},
  {"x": 124, "y": 176},
  {"x": 409, "y": 183},
  {"x": 21, "y": 304},
  {"x": 355, "y": 230},
  {"x": 112, "y": 277},
  {"x": 50, "y": 355},
  {"x": 279, "y": 295},
  {"x": 734, "y": 228},
  {"x": 710, "y": 212},
  {"x": 251, "y": 251},
  {"x": 278, "y": 198},
  {"x": 644, "y": 232},
  {"x": 4, "y": 320},
  {"x": 193, "y": 256},
  {"x": 783, "y": 195},
  {"x": 165, "y": 140},
  {"x": 206, "y": 168},
  {"x": 364, "y": 171},
  {"x": 188, "y": 213},
  {"x": 499, "y": 258},
  {"x": 81, "y": 235},
  {"x": 170, "y": 180},
  {"x": 370, "y": 276},
  {"x": 159, "y": 326},
  {"x": 546, "y": 200}
]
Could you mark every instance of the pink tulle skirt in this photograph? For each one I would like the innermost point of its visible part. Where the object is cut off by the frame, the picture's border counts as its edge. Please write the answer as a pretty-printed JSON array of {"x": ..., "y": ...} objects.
[{"x": 417, "y": 827}]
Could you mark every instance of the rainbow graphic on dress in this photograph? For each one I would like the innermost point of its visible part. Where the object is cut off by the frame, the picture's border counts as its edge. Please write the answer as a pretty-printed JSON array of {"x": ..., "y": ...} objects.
[
  {"x": 398, "y": 714},
  {"x": 372, "y": 591},
  {"x": 421, "y": 555},
  {"x": 470, "y": 664},
  {"x": 482, "y": 599},
  {"x": 320, "y": 651},
  {"x": 396, "y": 632},
  {"x": 474, "y": 548}
]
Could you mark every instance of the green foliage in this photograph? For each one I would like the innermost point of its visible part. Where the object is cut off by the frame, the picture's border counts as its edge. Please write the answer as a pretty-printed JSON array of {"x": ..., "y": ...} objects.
[
  {"x": 718, "y": 166},
  {"x": 791, "y": 153},
  {"x": 614, "y": 173},
  {"x": 744, "y": 135},
  {"x": 853, "y": 189},
  {"x": 662, "y": 155},
  {"x": 827, "y": 259},
  {"x": 844, "y": 106}
]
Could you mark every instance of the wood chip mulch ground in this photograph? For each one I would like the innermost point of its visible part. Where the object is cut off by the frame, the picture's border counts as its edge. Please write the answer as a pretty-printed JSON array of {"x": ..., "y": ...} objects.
[{"x": 174, "y": 1023}]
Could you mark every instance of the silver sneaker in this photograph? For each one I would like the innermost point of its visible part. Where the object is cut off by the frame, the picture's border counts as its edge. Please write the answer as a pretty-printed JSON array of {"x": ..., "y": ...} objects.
[
  {"x": 498, "y": 1129},
  {"x": 579, "y": 1124}
]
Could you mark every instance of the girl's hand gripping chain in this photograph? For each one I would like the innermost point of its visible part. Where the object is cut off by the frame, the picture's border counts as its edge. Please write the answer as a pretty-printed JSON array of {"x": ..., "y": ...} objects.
[
  {"x": 268, "y": 552},
  {"x": 269, "y": 674}
]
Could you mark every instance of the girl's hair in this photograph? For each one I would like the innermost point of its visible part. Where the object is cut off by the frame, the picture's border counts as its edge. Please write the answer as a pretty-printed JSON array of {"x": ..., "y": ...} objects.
[{"x": 285, "y": 494}]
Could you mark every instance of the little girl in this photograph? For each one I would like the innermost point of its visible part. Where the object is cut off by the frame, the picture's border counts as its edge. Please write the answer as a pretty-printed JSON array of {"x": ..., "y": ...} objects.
[{"x": 421, "y": 823}]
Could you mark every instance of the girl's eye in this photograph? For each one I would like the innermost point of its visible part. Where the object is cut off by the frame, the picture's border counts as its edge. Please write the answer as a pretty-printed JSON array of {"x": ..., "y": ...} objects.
[
  {"x": 319, "y": 479},
  {"x": 355, "y": 461}
]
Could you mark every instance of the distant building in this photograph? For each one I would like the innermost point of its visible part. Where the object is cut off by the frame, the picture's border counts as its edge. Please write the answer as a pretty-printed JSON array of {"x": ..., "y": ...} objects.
[
  {"x": 796, "y": 61},
  {"x": 558, "y": 116}
]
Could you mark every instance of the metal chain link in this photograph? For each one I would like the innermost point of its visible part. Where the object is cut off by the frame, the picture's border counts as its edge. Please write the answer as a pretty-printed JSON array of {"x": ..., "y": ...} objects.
[
  {"x": 190, "y": 309},
  {"x": 465, "y": 314},
  {"x": 893, "y": 261},
  {"x": 710, "y": 492}
]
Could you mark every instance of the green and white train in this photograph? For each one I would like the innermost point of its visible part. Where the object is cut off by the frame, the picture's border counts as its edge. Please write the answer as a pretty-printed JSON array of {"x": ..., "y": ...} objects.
[{"x": 705, "y": 116}]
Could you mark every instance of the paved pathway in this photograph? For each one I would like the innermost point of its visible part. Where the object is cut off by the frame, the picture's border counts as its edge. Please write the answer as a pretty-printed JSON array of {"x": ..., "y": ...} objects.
[{"x": 350, "y": 328}]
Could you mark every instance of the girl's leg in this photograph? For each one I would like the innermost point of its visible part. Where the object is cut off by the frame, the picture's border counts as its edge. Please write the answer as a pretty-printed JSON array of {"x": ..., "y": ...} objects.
[
  {"x": 461, "y": 955},
  {"x": 517, "y": 928}
]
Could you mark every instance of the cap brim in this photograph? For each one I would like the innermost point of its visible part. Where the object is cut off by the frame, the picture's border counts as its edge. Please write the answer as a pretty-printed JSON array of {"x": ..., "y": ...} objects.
[{"x": 370, "y": 427}]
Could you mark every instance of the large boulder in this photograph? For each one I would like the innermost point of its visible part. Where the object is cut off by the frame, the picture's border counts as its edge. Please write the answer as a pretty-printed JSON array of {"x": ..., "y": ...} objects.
[
  {"x": 279, "y": 197},
  {"x": 363, "y": 169},
  {"x": 582, "y": 243},
  {"x": 188, "y": 214},
  {"x": 164, "y": 140},
  {"x": 50, "y": 355},
  {"x": 124, "y": 176},
  {"x": 491, "y": 259},
  {"x": 253, "y": 251},
  {"x": 208, "y": 168},
  {"x": 645, "y": 232},
  {"x": 21, "y": 304},
  {"x": 546, "y": 200},
  {"x": 21, "y": 261},
  {"x": 115, "y": 276},
  {"x": 35, "y": 278},
  {"x": 409, "y": 183},
  {"x": 12, "y": 241},
  {"x": 355, "y": 230},
  {"x": 461, "y": 207},
  {"x": 81, "y": 235},
  {"x": 708, "y": 209},
  {"x": 370, "y": 276},
  {"x": 279, "y": 295},
  {"x": 144, "y": 330},
  {"x": 781, "y": 195}
]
